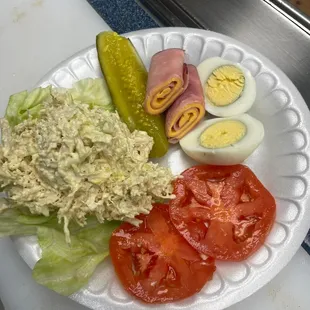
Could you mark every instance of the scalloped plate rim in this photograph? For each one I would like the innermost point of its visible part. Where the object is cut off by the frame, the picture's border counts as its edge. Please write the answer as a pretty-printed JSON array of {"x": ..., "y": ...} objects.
[{"x": 235, "y": 295}]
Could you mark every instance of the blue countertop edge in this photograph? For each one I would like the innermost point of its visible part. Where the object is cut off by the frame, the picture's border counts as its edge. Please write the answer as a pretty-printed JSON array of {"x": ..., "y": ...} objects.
[{"x": 123, "y": 15}]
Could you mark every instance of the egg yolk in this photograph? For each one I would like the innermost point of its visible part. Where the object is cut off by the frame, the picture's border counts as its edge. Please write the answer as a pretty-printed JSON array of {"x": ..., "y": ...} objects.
[
  {"x": 225, "y": 85},
  {"x": 222, "y": 134}
]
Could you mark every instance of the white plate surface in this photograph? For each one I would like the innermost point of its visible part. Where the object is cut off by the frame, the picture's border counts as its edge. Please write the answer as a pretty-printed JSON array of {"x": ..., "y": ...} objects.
[{"x": 281, "y": 163}]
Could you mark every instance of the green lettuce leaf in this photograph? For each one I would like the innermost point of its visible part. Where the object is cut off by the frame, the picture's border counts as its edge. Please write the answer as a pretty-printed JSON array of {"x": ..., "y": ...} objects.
[
  {"x": 93, "y": 92},
  {"x": 65, "y": 277},
  {"x": 64, "y": 268},
  {"x": 10, "y": 226},
  {"x": 19, "y": 221},
  {"x": 23, "y": 105}
]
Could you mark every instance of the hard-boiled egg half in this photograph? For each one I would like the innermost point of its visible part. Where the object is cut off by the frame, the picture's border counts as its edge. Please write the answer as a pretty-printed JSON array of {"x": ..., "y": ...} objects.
[
  {"x": 229, "y": 88},
  {"x": 224, "y": 141}
]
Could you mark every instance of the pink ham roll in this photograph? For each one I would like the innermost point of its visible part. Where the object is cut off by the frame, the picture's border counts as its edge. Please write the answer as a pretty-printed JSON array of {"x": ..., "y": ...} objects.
[
  {"x": 187, "y": 111},
  {"x": 167, "y": 80}
]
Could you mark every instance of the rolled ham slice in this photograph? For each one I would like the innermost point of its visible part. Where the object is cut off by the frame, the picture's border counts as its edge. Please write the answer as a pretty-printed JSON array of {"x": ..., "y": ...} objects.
[
  {"x": 167, "y": 80},
  {"x": 187, "y": 111}
]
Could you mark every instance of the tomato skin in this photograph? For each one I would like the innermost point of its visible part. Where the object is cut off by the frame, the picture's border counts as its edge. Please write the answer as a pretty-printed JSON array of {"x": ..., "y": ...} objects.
[
  {"x": 222, "y": 211},
  {"x": 155, "y": 263}
]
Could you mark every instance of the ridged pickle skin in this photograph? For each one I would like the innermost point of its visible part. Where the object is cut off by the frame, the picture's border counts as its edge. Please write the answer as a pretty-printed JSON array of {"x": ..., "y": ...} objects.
[{"x": 126, "y": 77}]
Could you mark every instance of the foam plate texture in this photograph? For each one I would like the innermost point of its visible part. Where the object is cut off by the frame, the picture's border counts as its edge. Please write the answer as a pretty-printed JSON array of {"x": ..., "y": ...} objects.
[{"x": 281, "y": 163}]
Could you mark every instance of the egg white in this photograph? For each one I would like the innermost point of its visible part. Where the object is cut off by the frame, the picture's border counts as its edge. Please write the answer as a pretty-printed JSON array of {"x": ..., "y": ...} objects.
[
  {"x": 229, "y": 155},
  {"x": 247, "y": 97}
]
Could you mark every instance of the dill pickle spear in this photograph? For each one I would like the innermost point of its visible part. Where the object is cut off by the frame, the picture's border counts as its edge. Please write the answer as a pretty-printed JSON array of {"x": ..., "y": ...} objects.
[{"x": 126, "y": 77}]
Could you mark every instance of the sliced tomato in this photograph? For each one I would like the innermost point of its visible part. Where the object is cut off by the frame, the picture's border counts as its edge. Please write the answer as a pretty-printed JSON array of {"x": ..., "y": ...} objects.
[
  {"x": 155, "y": 263},
  {"x": 222, "y": 211}
]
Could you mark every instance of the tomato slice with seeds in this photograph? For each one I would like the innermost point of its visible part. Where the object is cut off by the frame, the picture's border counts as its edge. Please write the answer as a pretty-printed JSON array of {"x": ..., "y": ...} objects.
[
  {"x": 155, "y": 263},
  {"x": 222, "y": 211}
]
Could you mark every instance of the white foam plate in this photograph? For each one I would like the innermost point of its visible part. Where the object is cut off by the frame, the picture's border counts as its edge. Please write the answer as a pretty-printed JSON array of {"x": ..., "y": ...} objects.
[{"x": 281, "y": 163}]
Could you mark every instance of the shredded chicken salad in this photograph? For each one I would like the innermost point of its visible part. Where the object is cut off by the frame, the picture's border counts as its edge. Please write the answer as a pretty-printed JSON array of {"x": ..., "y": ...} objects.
[{"x": 79, "y": 160}]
